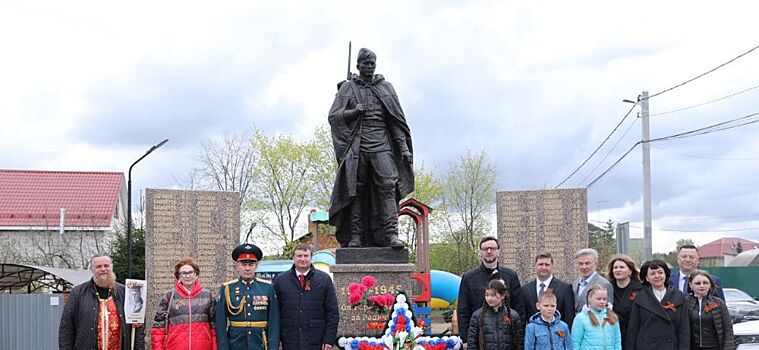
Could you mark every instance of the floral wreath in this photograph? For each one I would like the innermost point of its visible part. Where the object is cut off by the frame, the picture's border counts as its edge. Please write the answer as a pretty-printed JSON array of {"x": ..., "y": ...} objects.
[{"x": 402, "y": 332}]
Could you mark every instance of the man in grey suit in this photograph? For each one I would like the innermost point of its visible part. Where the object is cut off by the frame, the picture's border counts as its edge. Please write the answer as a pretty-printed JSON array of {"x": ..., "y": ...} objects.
[{"x": 587, "y": 262}]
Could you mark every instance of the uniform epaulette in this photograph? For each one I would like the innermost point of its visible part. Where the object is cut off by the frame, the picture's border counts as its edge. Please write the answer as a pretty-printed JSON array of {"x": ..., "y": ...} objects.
[
  {"x": 230, "y": 282},
  {"x": 263, "y": 280}
]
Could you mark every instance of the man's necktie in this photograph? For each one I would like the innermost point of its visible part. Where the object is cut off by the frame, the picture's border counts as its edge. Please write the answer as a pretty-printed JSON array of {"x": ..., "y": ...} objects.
[
  {"x": 542, "y": 288},
  {"x": 685, "y": 285},
  {"x": 302, "y": 279}
]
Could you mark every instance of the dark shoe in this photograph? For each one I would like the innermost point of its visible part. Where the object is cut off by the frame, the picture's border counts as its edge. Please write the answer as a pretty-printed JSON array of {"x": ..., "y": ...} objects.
[
  {"x": 355, "y": 242},
  {"x": 396, "y": 243}
]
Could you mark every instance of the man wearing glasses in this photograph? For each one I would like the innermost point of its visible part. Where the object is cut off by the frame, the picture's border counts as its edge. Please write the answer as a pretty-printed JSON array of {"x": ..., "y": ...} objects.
[
  {"x": 247, "y": 315},
  {"x": 474, "y": 282}
]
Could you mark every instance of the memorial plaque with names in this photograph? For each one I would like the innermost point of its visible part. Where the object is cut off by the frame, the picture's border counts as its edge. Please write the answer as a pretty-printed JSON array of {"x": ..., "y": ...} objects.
[
  {"x": 553, "y": 221},
  {"x": 202, "y": 225}
]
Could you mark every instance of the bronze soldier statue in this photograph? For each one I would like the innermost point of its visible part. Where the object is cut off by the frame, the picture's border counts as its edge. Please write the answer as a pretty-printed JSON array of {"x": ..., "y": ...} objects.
[{"x": 373, "y": 148}]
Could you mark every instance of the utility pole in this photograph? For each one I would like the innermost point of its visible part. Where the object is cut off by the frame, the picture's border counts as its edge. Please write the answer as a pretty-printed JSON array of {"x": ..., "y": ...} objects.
[{"x": 646, "y": 176}]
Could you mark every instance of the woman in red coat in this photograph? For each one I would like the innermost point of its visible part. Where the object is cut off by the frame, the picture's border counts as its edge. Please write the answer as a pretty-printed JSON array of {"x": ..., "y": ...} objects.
[{"x": 185, "y": 316}]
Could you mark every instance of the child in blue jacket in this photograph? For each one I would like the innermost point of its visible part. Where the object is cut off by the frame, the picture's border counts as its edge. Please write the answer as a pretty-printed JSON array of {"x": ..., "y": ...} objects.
[
  {"x": 546, "y": 330},
  {"x": 598, "y": 327}
]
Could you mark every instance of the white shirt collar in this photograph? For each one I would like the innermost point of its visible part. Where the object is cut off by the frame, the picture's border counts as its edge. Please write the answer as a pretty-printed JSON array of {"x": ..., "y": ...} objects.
[
  {"x": 297, "y": 273},
  {"x": 659, "y": 294},
  {"x": 546, "y": 282},
  {"x": 592, "y": 275}
]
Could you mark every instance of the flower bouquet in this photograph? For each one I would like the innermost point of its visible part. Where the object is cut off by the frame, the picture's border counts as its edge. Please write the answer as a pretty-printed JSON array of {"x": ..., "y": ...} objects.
[
  {"x": 402, "y": 332},
  {"x": 359, "y": 295}
]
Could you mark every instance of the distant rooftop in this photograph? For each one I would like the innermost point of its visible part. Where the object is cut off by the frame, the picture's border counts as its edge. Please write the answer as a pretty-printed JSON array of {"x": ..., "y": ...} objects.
[
  {"x": 33, "y": 198},
  {"x": 724, "y": 246}
]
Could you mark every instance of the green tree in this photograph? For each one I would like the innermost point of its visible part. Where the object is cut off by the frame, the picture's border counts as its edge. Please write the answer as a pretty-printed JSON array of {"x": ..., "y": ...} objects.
[
  {"x": 325, "y": 165},
  {"x": 117, "y": 249},
  {"x": 602, "y": 240},
  {"x": 444, "y": 256},
  {"x": 670, "y": 258},
  {"x": 684, "y": 241},
  {"x": 468, "y": 203},
  {"x": 428, "y": 190},
  {"x": 285, "y": 182}
]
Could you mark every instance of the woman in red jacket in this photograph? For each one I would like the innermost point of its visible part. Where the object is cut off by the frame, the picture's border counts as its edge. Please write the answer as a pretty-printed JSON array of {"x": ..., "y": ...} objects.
[{"x": 185, "y": 316}]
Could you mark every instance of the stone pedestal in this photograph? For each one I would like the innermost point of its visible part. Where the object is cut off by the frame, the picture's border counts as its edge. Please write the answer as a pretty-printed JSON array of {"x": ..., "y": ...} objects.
[
  {"x": 371, "y": 255},
  {"x": 390, "y": 277}
]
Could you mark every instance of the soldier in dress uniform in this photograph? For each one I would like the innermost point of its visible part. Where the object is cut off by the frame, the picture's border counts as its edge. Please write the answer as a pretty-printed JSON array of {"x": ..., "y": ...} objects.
[{"x": 247, "y": 315}]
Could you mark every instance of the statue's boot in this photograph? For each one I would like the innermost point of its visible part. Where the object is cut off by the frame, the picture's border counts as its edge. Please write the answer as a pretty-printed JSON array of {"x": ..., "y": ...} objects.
[
  {"x": 396, "y": 242},
  {"x": 355, "y": 241}
]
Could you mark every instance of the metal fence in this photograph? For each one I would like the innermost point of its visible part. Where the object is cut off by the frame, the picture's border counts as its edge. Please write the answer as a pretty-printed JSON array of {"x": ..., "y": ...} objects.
[{"x": 30, "y": 321}]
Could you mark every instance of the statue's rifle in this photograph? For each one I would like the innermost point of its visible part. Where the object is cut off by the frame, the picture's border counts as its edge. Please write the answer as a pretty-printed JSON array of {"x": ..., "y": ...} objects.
[{"x": 349, "y": 62}]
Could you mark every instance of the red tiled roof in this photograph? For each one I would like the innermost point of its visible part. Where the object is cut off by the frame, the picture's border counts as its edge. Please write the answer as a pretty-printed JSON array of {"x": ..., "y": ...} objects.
[
  {"x": 723, "y": 246},
  {"x": 30, "y": 198}
]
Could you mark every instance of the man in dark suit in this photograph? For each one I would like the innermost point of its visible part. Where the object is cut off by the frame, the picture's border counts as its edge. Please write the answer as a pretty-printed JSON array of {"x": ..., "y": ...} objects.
[
  {"x": 546, "y": 282},
  {"x": 307, "y": 304},
  {"x": 687, "y": 259}
]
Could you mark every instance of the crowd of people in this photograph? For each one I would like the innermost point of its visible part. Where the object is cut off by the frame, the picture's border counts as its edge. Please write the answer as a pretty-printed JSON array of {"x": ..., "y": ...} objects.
[
  {"x": 653, "y": 308},
  {"x": 650, "y": 308}
]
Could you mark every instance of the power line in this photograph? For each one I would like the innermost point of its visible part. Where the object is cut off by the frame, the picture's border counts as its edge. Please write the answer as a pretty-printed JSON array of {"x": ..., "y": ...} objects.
[
  {"x": 599, "y": 146},
  {"x": 749, "y": 119},
  {"x": 609, "y": 153},
  {"x": 705, "y": 73},
  {"x": 701, "y": 157},
  {"x": 696, "y": 132},
  {"x": 705, "y": 103}
]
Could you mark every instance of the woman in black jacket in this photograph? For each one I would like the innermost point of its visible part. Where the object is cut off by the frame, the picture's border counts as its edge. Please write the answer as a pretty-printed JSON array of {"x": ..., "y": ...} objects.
[
  {"x": 623, "y": 276},
  {"x": 711, "y": 327},
  {"x": 658, "y": 319},
  {"x": 495, "y": 326}
]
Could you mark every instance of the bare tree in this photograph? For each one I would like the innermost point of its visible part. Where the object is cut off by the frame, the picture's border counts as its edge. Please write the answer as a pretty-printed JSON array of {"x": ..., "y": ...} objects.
[{"x": 226, "y": 165}]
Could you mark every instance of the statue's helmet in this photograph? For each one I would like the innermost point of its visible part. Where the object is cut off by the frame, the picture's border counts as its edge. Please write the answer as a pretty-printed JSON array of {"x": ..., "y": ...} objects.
[{"x": 364, "y": 54}]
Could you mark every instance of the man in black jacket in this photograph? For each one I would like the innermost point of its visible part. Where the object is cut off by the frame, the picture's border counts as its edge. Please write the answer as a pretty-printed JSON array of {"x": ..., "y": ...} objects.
[
  {"x": 307, "y": 304},
  {"x": 89, "y": 304},
  {"x": 474, "y": 282},
  {"x": 547, "y": 282}
]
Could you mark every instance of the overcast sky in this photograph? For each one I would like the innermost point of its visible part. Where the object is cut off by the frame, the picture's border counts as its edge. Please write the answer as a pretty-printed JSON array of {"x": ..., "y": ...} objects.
[{"x": 536, "y": 85}]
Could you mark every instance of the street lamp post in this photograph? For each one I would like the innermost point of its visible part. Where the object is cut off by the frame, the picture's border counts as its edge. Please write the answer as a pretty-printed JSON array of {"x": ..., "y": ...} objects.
[{"x": 129, "y": 208}]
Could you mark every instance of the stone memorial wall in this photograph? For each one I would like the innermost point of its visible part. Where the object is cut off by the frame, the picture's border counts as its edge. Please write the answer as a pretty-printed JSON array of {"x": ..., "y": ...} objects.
[
  {"x": 202, "y": 225},
  {"x": 554, "y": 221}
]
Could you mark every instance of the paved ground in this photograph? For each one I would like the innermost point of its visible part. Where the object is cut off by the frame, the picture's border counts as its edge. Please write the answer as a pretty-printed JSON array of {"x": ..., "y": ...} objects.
[{"x": 440, "y": 327}]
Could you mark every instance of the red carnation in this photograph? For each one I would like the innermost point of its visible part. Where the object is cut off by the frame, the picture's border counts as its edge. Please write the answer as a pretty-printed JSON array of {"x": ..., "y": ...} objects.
[
  {"x": 353, "y": 287},
  {"x": 354, "y": 298},
  {"x": 368, "y": 281}
]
